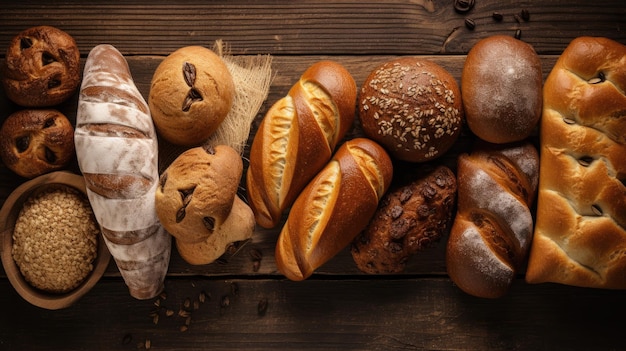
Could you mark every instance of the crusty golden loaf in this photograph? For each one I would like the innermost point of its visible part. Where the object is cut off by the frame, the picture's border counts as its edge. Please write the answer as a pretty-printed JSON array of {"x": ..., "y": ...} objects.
[{"x": 580, "y": 236}]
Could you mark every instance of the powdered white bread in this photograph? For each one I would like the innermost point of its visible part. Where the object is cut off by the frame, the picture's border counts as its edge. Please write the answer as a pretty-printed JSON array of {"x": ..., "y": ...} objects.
[
  {"x": 580, "y": 236},
  {"x": 116, "y": 147},
  {"x": 493, "y": 227}
]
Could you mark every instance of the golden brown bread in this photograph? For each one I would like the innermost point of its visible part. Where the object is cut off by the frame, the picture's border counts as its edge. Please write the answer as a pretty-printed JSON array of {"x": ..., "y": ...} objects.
[
  {"x": 412, "y": 107},
  {"x": 493, "y": 227},
  {"x": 297, "y": 138},
  {"x": 117, "y": 151},
  {"x": 580, "y": 235},
  {"x": 333, "y": 208},
  {"x": 191, "y": 93},
  {"x": 416, "y": 212},
  {"x": 42, "y": 67},
  {"x": 197, "y": 203},
  {"x": 34, "y": 142},
  {"x": 501, "y": 88}
]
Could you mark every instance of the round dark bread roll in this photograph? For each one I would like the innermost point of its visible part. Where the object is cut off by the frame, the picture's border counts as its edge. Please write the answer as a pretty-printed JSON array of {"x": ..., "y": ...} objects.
[
  {"x": 415, "y": 213},
  {"x": 191, "y": 93},
  {"x": 42, "y": 67},
  {"x": 501, "y": 87},
  {"x": 412, "y": 107},
  {"x": 34, "y": 142}
]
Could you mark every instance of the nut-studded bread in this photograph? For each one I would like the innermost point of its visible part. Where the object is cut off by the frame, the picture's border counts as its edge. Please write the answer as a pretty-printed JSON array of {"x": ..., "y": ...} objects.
[{"x": 580, "y": 236}]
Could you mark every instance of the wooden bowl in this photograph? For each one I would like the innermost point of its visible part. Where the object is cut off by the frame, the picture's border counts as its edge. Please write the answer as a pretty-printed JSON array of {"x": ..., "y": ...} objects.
[{"x": 8, "y": 216}]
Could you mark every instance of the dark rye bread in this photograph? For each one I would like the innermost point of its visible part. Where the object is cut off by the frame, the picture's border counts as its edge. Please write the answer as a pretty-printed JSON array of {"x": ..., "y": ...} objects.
[{"x": 414, "y": 214}]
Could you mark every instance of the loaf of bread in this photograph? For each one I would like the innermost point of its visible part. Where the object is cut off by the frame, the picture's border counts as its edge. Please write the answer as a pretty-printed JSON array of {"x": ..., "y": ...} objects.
[
  {"x": 493, "y": 227},
  {"x": 116, "y": 147},
  {"x": 36, "y": 141},
  {"x": 42, "y": 67},
  {"x": 501, "y": 89},
  {"x": 415, "y": 213},
  {"x": 412, "y": 107},
  {"x": 297, "y": 138},
  {"x": 197, "y": 203},
  {"x": 580, "y": 235},
  {"x": 333, "y": 208}
]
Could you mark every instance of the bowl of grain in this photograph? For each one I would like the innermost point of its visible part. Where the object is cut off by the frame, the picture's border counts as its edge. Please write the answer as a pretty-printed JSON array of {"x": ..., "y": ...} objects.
[{"x": 51, "y": 247}]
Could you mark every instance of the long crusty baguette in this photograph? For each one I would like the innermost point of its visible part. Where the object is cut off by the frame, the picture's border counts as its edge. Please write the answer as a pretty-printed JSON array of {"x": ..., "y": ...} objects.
[
  {"x": 580, "y": 236},
  {"x": 333, "y": 208},
  {"x": 297, "y": 138},
  {"x": 493, "y": 227},
  {"x": 116, "y": 147}
]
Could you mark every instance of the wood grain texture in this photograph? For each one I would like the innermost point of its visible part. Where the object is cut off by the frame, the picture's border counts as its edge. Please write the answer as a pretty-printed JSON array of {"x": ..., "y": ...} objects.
[
  {"x": 338, "y": 307},
  {"x": 407, "y": 314},
  {"x": 278, "y": 27}
]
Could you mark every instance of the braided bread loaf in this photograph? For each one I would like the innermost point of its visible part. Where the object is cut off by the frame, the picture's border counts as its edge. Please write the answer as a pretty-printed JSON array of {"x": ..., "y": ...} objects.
[
  {"x": 493, "y": 227},
  {"x": 580, "y": 235},
  {"x": 297, "y": 138},
  {"x": 116, "y": 147}
]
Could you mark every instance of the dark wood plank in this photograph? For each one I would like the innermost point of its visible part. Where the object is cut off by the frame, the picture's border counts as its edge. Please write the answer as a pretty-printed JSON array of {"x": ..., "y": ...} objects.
[
  {"x": 350, "y": 27},
  {"x": 408, "y": 314}
]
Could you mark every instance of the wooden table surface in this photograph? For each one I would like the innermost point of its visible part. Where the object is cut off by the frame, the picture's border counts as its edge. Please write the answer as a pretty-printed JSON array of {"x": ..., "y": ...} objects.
[{"x": 338, "y": 307}]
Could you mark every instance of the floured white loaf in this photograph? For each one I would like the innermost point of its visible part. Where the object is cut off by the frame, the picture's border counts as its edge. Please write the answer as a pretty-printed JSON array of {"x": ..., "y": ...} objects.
[
  {"x": 117, "y": 151},
  {"x": 580, "y": 235}
]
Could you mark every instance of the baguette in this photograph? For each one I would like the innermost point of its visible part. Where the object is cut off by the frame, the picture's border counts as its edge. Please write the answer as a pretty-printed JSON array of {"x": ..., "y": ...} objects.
[
  {"x": 297, "y": 138},
  {"x": 333, "y": 208},
  {"x": 117, "y": 152},
  {"x": 493, "y": 227}
]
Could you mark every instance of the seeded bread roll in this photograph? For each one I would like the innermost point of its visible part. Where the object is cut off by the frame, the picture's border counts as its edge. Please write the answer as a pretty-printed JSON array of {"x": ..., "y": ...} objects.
[
  {"x": 42, "y": 67},
  {"x": 191, "y": 93},
  {"x": 197, "y": 203},
  {"x": 297, "y": 138},
  {"x": 412, "y": 107},
  {"x": 501, "y": 87},
  {"x": 415, "y": 213},
  {"x": 580, "y": 236},
  {"x": 34, "y": 142}
]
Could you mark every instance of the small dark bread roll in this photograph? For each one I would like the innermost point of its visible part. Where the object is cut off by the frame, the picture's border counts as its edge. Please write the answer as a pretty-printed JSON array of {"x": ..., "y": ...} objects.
[
  {"x": 42, "y": 67},
  {"x": 412, "y": 107},
  {"x": 415, "y": 213},
  {"x": 501, "y": 86},
  {"x": 34, "y": 142}
]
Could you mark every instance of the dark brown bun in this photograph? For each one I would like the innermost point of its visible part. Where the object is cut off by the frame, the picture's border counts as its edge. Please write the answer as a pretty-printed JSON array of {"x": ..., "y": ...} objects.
[
  {"x": 412, "y": 107},
  {"x": 42, "y": 67},
  {"x": 501, "y": 86},
  {"x": 191, "y": 93},
  {"x": 34, "y": 142}
]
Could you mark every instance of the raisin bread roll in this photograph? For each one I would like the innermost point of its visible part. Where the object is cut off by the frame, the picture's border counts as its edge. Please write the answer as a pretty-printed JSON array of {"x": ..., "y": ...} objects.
[
  {"x": 415, "y": 213},
  {"x": 42, "y": 67},
  {"x": 117, "y": 151},
  {"x": 34, "y": 142},
  {"x": 333, "y": 208},
  {"x": 493, "y": 227},
  {"x": 297, "y": 138},
  {"x": 580, "y": 236}
]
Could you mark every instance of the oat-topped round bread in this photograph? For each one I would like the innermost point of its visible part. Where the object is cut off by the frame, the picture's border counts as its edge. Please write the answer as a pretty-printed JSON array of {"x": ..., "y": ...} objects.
[
  {"x": 42, "y": 67},
  {"x": 412, "y": 107},
  {"x": 191, "y": 93}
]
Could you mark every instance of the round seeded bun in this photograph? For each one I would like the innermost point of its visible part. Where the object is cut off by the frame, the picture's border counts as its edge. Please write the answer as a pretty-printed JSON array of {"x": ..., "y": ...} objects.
[
  {"x": 501, "y": 85},
  {"x": 191, "y": 94},
  {"x": 412, "y": 107}
]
